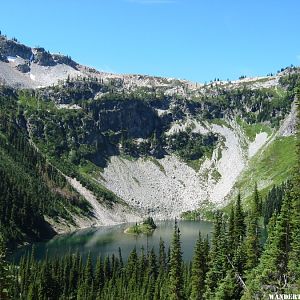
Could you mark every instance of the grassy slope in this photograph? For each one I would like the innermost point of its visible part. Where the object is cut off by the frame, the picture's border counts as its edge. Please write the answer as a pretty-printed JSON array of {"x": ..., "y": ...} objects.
[
  {"x": 251, "y": 130},
  {"x": 269, "y": 166}
]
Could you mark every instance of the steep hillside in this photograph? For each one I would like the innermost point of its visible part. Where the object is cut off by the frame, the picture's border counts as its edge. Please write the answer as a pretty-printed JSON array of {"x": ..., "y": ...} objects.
[
  {"x": 132, "y": 145},
  {"x": 32, "y": 191},
  {"x": 37, "y": 200},
  {"x": 161, "y": 154}
]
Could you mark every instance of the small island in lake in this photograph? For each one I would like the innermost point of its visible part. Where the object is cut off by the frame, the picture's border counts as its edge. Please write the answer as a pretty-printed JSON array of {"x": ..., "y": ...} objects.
[{"x": 146, "y": 227}]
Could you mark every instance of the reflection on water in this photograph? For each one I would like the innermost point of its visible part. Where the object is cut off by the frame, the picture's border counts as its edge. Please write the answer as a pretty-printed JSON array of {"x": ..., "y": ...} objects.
[{"x": 102, "y": 241}]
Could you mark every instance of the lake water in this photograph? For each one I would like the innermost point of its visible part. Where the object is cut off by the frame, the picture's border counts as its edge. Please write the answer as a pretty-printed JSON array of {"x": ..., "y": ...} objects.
[{"x": 102, "y": 241}]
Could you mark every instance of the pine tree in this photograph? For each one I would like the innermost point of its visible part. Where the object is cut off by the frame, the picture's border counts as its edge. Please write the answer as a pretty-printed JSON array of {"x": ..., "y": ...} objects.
[
  {"x": 120, "y": 258},
  {"x": 99, "y": 276},
  {"x": 88, "y": 271},
  {"x": 5, "y": 276},
  {"x": 272, "y": 270},
  {"x": 107, "y": 268},
  {"x": 152, "y": 264},
  {"x": 31, "y": 292},
  {"x": 253, "y": 236},
  {"x": 131, "y": 271},
  {"x": 294, "y": 266},
  {"x": 233, "y": 284},
  {"x": 231, "y": 236},
  {"x": 176, "y": 272},
  {"x": 257, "y": 201},
  {"x": 218, "y": 262},
  {"x": 199, "y": 269},
  {"x": 239, "y": 222},
  {"x": 228, "y": 288},
  {"x": 162, "y": 256}
]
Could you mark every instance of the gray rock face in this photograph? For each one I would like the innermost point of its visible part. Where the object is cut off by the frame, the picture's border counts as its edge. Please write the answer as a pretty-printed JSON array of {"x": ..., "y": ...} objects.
[
  {"x": 134, "y": 117},
  {"x": 12, "y": 48},
  {"x": 43, "y": 58},
  {"x": 72, "y": 91},
  {"x": 289, "y": 125},
  {"x": 62, "y": 59},
  {"x": 38, "y": 55}
]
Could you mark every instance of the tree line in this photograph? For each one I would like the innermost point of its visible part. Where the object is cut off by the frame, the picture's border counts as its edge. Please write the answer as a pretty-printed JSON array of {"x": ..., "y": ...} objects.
[
  {"x": 233, "y": 265},
  {"x": 30, "y": 187}
]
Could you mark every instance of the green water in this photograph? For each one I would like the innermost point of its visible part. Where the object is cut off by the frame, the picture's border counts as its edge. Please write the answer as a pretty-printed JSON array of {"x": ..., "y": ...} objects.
[{"x": 102, "y": 241}]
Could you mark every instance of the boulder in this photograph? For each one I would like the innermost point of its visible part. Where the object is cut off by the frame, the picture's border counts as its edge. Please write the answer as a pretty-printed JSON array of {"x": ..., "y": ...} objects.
[{"x": 24, "y": 68}]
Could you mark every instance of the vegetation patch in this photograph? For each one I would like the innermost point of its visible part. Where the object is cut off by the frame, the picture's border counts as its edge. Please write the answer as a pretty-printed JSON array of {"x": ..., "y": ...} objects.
[
  {"x": 157, "y": 163},
  {"x": 192, "y": 146},
  {"x": 273, "y": 165},
  {"x": 205, "y": 212},
  {"x": 251, "y": 130},
  {"x": 146, "y": 227},
  {"x": 136, "y": 180}
]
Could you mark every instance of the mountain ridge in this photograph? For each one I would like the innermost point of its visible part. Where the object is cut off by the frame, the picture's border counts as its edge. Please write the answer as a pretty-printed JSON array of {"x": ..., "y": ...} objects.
[
  {"x": 15, "y": 54},
  {"x": 162, "y": 146}
]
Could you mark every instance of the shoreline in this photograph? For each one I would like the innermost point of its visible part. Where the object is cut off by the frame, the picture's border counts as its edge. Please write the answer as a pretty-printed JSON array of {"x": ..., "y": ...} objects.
[{"x": 72, "y": 229}]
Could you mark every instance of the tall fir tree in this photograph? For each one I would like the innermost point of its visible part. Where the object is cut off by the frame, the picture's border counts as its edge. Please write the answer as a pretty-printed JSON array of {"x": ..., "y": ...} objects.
[
  {"x": 294, "y": 265},
  {"x": 88, "y": 271},
  {"x": 239, "y": 222},
  {"x": 162, "y": 256},
  {"x": 5, "y": 276},
  {"x": 99, "y": 275},
  {"x": 271, "y": 271},
  {"x": 176, "y": 290},
  {"x": 253, "y": 235},
  {"x": 231, "y": 232},
  {"x": 199, "y": 269},
  {"x": 218, "y": 262}
]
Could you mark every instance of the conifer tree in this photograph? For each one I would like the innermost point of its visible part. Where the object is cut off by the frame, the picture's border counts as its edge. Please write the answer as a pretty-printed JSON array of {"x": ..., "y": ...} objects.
[
  {"x": 99, "y": 276},
  {"x": 162, "y": 256},
  {"x": 266, "y": 269},
  {"x": 120, "y": 258},
  {"x": 239, "y": 222},
  {"x": 218, "y": 262},
  {"x": 199, "y": 269},
  {"x": 253, "y": 236},
  {"x": 5, "y": 276},
  {"x": 107, "y": 268},
  {"x": 88, "y": 271},
  {"x": 294, "y": 265},
  {"x": 272, "y": 270},
  {"x": 176, "y": 291},
  {"x": 228, "y": 288},
  {"x": 152, "y": 264},
  {"x": 132, "y": 271},
  {"x": 257, "y": 199},
  {"x": 231, "y": 236}
]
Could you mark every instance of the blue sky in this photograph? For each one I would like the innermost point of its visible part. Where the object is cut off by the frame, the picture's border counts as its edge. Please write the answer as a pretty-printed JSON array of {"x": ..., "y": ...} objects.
[{"x": 197, "y": 40}]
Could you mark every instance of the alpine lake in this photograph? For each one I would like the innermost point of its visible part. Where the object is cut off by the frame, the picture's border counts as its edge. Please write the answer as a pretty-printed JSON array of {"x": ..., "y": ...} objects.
[{"x": 106, "y": 240}]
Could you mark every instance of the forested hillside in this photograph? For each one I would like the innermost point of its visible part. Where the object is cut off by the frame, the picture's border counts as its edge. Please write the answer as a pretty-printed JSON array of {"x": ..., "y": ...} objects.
[
  {"x": 253, "y": 253},
  {"x": 32, "y": 190},
  {"x": 236, "y": 264}
]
